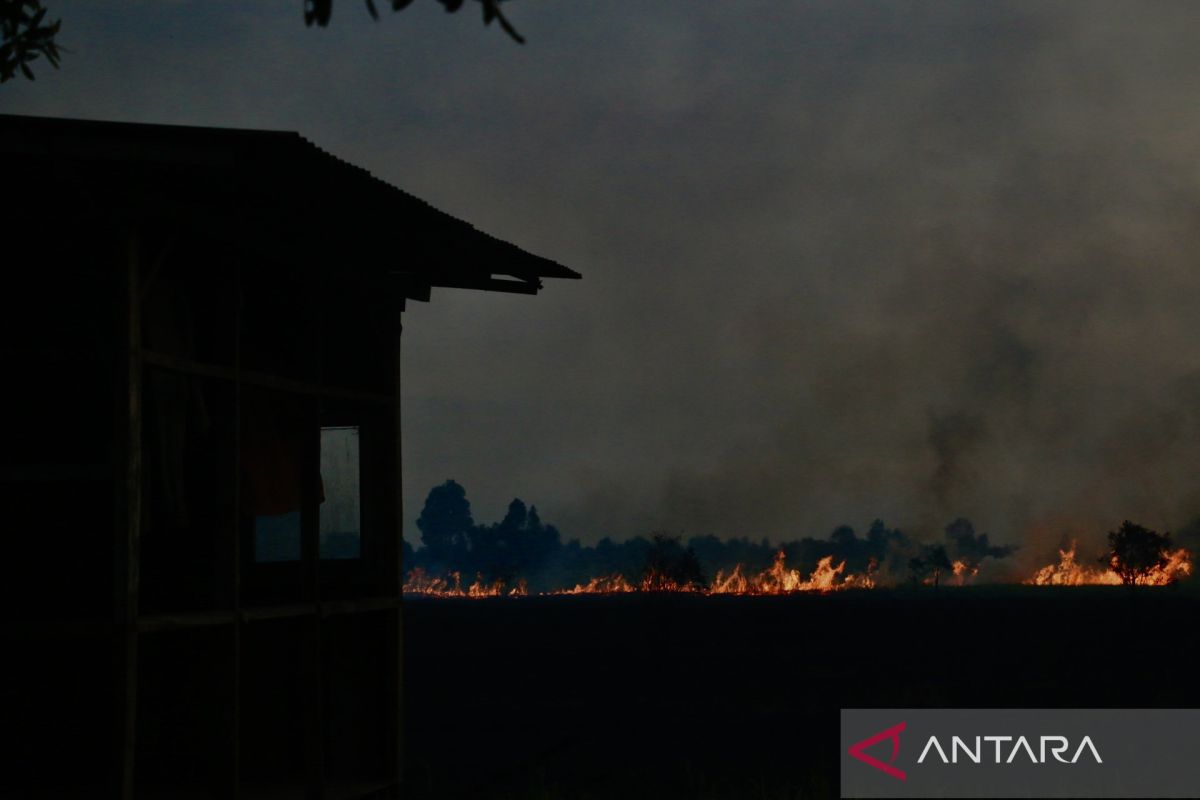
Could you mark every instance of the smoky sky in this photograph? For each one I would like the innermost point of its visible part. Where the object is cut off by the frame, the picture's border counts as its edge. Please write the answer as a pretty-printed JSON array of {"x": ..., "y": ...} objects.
[{"x": 842, "y": 260}]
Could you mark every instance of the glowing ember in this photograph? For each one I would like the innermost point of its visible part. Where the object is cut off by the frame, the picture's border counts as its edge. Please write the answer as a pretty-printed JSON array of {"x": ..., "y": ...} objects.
[{"x": 1069, "y": 572}]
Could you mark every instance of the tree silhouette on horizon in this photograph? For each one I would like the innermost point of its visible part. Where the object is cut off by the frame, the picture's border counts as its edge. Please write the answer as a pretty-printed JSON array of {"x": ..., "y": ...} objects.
[
  {"x": 1135, "y": 551},
  {"x": 445, "y": 523},
  {"x": 932, "y": 562}
]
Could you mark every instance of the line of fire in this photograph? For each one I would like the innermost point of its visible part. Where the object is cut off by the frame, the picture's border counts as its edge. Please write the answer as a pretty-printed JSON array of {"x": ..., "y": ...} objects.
[
  {"x": 781, "y": 579},
  {"x": 885, "y": 558}
]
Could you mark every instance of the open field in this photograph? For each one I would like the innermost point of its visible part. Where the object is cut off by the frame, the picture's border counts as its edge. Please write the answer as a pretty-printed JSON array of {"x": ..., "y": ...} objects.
[{"x": 690, "y": 696}]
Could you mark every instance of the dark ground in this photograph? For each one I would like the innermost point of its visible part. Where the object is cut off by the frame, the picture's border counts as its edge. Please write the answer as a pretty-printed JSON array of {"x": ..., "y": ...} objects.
[{"x": 714, "y": 697}]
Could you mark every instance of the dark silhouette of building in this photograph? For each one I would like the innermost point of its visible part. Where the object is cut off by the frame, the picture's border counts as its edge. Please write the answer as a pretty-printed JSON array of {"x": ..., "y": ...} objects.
[{"x": 201, "y": 535}]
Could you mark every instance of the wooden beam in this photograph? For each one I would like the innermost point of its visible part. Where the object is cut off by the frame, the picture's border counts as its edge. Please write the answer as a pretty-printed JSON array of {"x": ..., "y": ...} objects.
[
  {"x": 235, "y": 739},
  {"x": 265, "y": 613},
  {"x": 159, "y": 623},
  {"x": 360, "y": 790},
  {"x": 311, "y": 550},
  {"x": 129, "y": 518},
  {"x": 490, "y": 284},
  {"x": 162, "y": 623},
  {"x": 261, "y": 379},
  {"x": 417, "y": 286},
  {"x": 398, "y": 540}
]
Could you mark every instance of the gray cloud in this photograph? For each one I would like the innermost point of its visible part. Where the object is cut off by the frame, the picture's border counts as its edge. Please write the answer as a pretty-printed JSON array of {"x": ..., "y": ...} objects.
[{"x": 842, "y": 260}]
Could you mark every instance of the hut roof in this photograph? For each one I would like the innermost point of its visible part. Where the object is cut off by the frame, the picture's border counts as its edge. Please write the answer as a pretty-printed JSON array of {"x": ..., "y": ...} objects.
[{"x": 273, "y": 193}]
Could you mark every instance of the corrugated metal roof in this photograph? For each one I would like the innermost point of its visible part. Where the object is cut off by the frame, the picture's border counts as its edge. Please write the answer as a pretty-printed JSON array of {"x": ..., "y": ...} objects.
[{"x": 272, "y": 191}]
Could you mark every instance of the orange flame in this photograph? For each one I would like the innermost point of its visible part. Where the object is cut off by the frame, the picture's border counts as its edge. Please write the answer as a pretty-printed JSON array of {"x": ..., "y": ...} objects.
[
  {"x": 1069, "y": 572},
  {"x": 964, "y": 572},
  {"x": 1179, "y": 565},
  {"x": 608, "y": 584},
  {"x": 419, "y": 582},
  {"x": 778, "y": 579}
]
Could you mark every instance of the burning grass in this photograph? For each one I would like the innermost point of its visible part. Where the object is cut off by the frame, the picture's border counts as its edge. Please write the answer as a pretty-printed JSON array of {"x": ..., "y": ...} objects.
[
  {"x": 1069, "y": 572},
  {"x": 419, "y": 582},
  {"x": 779, "y": 579},
  {"x": 775, "y": 580}
]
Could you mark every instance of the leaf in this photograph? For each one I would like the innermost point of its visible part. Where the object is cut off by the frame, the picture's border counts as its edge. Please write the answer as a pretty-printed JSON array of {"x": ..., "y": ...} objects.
[{"x": 372, "y": 10}]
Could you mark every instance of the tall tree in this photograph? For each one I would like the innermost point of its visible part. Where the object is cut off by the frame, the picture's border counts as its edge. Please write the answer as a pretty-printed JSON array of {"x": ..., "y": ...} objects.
[
  {"x": 671, "y": 566},
  {"x": 1134, "y": 552},
  {"x": 445, "y": 523},
  {"x": 932, "y": 562}
]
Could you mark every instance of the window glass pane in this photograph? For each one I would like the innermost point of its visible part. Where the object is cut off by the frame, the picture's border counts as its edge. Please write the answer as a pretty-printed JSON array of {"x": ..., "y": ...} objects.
[
  {"x": 277, "y": 537},
  {"x": 340, "y": 505}
]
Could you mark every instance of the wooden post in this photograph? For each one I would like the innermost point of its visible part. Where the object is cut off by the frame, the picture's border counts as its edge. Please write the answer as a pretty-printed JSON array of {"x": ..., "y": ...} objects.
[
  {"x": 238, "y": 622},
  {"x": 398, "y": 485},
  {"x": 311, "y": 551},
  {"x": 129, "y": 516}
]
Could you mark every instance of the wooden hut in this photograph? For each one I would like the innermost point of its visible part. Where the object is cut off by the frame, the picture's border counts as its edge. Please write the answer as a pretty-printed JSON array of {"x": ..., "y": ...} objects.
[{"x": 202, "y": 549}]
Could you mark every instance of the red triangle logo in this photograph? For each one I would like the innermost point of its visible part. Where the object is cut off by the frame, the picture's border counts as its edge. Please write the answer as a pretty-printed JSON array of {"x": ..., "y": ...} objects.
[{"x": 892, "y": 733}]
